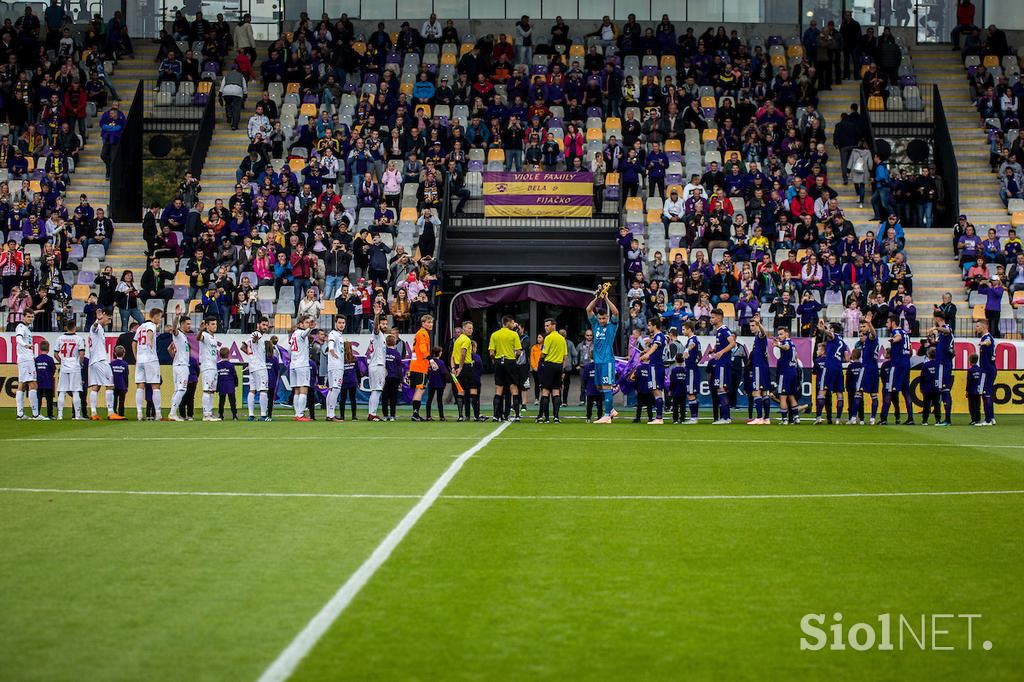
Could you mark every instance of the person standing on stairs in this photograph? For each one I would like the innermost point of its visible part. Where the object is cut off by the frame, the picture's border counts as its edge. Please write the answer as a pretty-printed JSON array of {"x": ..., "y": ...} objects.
[
  {"x": 233, "y": 91},
  {"x": 880, "y": 190},
  {"x": 112, "y": 124}
]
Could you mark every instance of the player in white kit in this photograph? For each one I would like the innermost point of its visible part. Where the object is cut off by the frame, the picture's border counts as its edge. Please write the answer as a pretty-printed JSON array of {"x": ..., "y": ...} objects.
[
  {"x": 209, "y": 354},
  {"x": 298, "y": 368},
  {"x": 23, "y": 341},
  {"x": 378, "y": 355},
  {"x": 181, "y": 350},
  {"x": 335, "y": 366},
  {"x": 255, "y": 350},
  {"x": 100, "y": 373},
  {"x": 147, "y": 364},
  {"x": 70, "y": 353}
]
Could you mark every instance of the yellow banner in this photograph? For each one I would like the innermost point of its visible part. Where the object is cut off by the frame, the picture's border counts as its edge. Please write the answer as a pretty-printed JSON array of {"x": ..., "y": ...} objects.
[
  {"x": 541, "y": 187},
  {"x": 513, "y": 211}
]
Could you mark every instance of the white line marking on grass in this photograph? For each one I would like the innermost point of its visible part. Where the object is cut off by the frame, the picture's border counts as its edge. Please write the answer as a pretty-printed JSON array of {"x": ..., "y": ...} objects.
[
  {"x": 782, "y": 496},
  {"x": 401, "y": 496},
  {"x": 340, "y": 435},
  {"x": 744, "y": 441},
  {"x": 198, "y": 493},
  {"x": 282, "y": 667}
]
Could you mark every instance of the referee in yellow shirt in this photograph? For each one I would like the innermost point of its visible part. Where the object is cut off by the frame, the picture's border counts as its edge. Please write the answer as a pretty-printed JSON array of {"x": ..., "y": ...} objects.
[
  {"x": 466, "y": 387},
  {"x": 504, "y": 347},
  {"x": 552, "y": 357}
]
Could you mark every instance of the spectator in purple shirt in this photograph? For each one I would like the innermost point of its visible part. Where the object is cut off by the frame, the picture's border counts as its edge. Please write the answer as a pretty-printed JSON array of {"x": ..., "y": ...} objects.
[{"x": 993, "y": 291}]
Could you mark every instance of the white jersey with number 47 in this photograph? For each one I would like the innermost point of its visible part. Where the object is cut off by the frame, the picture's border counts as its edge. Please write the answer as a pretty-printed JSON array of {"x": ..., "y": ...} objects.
[{"x": 68, "y": 348}]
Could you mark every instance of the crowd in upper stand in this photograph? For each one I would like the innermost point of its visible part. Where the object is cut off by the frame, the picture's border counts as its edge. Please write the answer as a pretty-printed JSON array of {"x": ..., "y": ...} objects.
[{"x": 53, "y": 82}]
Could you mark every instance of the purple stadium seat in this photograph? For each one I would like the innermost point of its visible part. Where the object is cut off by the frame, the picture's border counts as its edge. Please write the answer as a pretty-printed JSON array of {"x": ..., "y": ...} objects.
[
  {"x": 371, "y": 78},
  {"x": 76, "y": 252},
  {"x": 15, "y": 235},
  {"x": 774, "y": 40},
  {"x": 1002, "y": 230},
  {"x": 650, "y": 70},
  {"x": 86, "y": 277},
  {"x": 181, "y": 292},
  {"x": 476, "y": 166},
  {"x": 594, "y": 112},
  {"x": 555, "y": 122},
  {"x": 211, "y": 66}
]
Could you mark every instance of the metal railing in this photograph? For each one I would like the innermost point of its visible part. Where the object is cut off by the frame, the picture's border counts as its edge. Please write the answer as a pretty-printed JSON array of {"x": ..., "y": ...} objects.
[
  {"x": 170, "y": 112},
  {"x": 945, "y": 156},
  {"x": 204, "y": 135},
  {"x": 126, "y": 166}
]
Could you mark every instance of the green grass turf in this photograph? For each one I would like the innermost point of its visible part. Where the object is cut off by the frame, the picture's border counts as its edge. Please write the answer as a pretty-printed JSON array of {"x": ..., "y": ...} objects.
[{"x": 166, "y": 588}]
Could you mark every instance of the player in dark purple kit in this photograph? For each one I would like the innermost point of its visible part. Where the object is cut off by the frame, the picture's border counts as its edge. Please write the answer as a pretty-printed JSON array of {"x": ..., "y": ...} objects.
[
  {"x": 987, "y": 362},
  {"x": 868, "y": 346},
  {"x": 830, "y": 381},
  {"x": 655, "y": 356},
  {"x": 691, "y": 362},
  {"x": 720, "y": 363},
  {"x": 899, "y": 372},
  {"x": 787, "y": 382},
  {"x": 945, "y": 349},
  {"x": 760, "y": 373}
]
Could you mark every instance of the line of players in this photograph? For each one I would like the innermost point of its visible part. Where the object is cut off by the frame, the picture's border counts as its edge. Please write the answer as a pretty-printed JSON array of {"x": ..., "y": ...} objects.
[
  {"x": 216, "y": 375},
  {"x": 862, "y": 376},
  {"x": 838, "y": 372}
]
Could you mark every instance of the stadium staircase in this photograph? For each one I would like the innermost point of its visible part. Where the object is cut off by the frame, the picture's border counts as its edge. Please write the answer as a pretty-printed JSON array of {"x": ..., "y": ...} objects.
[
  {"x": 127, "y": 250},
  {"x": 930, "y": 251},
  {"x": 227, "y": 149}
]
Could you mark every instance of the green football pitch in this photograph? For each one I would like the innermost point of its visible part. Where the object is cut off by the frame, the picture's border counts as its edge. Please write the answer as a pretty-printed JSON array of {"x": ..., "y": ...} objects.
[{"x": 231, "y": 551}]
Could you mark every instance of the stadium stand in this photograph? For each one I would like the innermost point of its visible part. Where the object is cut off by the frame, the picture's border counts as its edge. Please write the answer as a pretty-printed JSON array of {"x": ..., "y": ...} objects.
[{"x": 712, "y": 144}]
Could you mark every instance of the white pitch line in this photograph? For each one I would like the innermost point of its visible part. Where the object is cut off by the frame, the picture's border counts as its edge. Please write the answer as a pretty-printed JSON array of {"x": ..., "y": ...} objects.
[
  {"x": 340, "y": 435},
  {"x": 401, "y": 496},
  {"x": 344, "y": 436},
  {"x": 283, "y": 666},
  {"x": 782, "y": 496},
  {"x": 203, "y": 493},
  {"x": 744, "y": 441}
]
